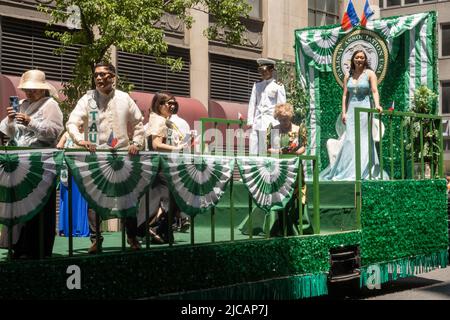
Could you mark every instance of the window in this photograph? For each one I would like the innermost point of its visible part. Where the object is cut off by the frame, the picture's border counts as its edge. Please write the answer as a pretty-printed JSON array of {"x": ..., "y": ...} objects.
[
  {"x": 231, "y": 79},
  {"x": 445, "y": 40},
  {"x": 447, "y": 145},
  {"x": 322, "y": 12},
  {"x": 146, "y": 75},
  {"x": 445, "y": 98},
  {"x": 256, "y": 8},
  {"x": 24, "y": 46},
  {"x": 391, "y": 3}
]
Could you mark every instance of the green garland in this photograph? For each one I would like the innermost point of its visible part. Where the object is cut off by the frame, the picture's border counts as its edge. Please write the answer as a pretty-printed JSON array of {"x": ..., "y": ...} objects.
[
  {"x": 403, "y": 268},
  {"x": 282, "y": 268},
  {"x": 330, "y": 108},
  {"x": 290, "y": 288},
  {"x": 392, "y": 229}
]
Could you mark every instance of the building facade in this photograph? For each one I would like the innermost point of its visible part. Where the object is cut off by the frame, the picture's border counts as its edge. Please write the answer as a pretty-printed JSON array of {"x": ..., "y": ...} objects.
[
  {"x": 213, "y": 73},
  {"x": 217, "y": 76}
]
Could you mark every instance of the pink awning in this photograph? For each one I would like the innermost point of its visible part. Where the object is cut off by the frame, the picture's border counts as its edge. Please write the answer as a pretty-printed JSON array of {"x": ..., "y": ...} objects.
[
  {"x": 190, "y": 109},
  {"x": 230, "y": 111},
  {"x": 227, "y": 110}
]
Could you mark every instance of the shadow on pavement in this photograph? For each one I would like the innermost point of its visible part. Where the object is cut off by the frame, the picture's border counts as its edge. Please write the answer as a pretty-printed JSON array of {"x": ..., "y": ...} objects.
[{"x": 351, "y": 290}]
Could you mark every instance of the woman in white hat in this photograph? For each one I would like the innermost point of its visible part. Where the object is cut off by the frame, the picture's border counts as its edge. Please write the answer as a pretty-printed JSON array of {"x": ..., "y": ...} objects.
[{"x": 38, "y": 123}]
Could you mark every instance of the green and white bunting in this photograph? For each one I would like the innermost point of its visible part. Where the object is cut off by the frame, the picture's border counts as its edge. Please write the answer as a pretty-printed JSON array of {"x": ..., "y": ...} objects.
[
  {"x": 197, "y": 182},
  {"x": 271, "y": 182},
  {"x": 27, "y": 179},
  {"x": 418, "y": 43},
  {"x": 112, "y": 183},
  {"x": 318, "y": 46}
]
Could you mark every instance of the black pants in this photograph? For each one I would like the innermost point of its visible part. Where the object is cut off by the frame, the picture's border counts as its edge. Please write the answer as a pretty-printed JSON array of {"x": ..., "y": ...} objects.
[
  {"x": 161, "y": 225},
  {"x": 130, "y": 226},
  {"x": 28, "y": 243}
]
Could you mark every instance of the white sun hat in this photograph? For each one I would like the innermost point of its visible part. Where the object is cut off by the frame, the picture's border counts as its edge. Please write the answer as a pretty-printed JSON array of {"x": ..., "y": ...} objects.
[{"x": 35, "y": 79}]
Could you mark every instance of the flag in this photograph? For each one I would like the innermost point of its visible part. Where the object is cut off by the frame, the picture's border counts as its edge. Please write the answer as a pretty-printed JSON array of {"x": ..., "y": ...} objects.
[
  {"x": 350, "y": 18},
  {"x": 112, "y": 142},
  {"x": 367, "y": 13}
]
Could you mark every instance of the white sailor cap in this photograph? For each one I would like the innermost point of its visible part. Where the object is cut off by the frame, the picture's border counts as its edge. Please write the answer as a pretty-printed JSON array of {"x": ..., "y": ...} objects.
[{"x": 265, "y": 62}]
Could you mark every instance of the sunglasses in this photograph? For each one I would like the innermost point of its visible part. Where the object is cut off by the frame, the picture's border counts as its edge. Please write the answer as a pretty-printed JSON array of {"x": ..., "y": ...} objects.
[
  {"x": 263, "y": 69},
  {"x": 101, "y": 74}
]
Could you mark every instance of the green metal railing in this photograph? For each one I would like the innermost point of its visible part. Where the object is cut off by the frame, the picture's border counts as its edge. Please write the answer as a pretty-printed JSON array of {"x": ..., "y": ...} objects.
[
  {"x": 435, "y": 122},
  {"x": 407, "y": 122},
  {"x": 227, "y": 123},
  {"x": 236, "y": 152},
  {"x": 146, "y": 198}
]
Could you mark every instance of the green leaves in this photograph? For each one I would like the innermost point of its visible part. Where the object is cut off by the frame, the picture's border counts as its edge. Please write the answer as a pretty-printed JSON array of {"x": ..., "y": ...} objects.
[
  {"x": 424, "y": 100},
  {"x": 133, "y": 26},
  {"x": 227, "y": 16},
  {"x": 295, "y": 92}
]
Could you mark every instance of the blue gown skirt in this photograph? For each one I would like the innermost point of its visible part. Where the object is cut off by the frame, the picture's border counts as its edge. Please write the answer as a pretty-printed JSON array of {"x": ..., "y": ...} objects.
[
  {"x": 79, "y": 212},
  {"x": 344, "y": 167}
]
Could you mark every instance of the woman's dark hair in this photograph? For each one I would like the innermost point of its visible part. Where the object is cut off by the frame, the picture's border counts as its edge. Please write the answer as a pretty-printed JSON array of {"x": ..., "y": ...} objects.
[
  {"x": 366, "y": 63},
  {"x": 159, "y": 99}
]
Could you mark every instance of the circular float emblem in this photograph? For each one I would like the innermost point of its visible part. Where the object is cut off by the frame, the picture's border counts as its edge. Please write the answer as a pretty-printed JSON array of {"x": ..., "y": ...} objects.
[{"x": 371, "y": 43}]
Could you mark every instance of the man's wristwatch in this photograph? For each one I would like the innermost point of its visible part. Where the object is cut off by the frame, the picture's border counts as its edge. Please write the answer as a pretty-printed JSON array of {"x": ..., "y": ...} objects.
[{"x": 136, "y": 144}]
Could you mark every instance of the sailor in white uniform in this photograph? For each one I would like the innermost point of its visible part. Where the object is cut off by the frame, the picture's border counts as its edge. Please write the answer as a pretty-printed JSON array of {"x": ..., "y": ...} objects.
[{"x": 265, "y": 95}]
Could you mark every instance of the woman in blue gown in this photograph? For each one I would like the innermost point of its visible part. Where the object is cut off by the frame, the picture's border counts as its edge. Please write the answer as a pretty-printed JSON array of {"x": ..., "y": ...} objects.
[
  {"x": 80, "y": 226},
  {"x": 358, "y": 84}
]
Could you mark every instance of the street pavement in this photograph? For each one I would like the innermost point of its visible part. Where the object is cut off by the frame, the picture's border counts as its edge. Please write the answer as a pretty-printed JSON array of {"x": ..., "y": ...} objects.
[{"x": 434, "y": 285}]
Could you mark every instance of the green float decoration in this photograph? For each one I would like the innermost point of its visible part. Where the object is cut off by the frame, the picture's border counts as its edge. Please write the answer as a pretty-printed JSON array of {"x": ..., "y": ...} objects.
[
  {"x": 112, "y": 183},
  {"x": 198, "y": 181},
  {"x": 405, "y": 237},
  {"x": 27, "y": 179},
  {"x": 281, "y": 268},
  {"x": 402, "y": 268},
  {"x": 410, "y": 42},
  {"x": 269, "y": 181}
]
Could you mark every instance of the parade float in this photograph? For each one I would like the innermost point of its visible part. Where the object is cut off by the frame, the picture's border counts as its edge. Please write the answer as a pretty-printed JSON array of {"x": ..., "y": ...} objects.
[{"x": 373, "y": 231}]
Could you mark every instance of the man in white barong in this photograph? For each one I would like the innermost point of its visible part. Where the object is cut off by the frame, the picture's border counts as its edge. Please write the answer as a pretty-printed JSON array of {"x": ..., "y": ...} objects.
[{"x": 106, "y": 115}]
